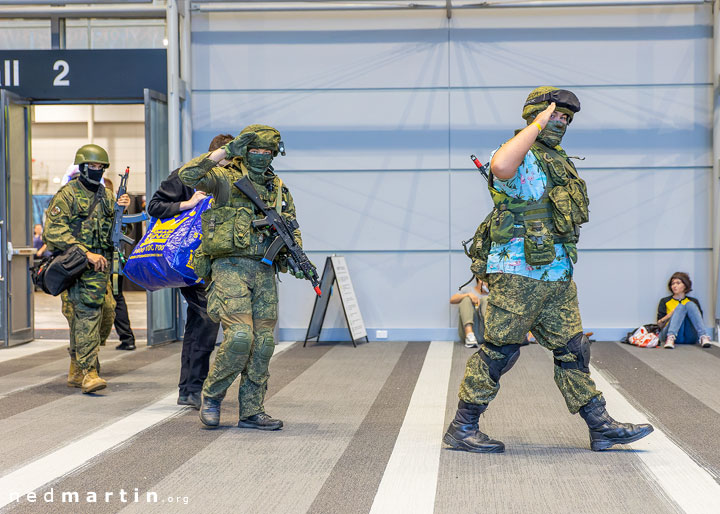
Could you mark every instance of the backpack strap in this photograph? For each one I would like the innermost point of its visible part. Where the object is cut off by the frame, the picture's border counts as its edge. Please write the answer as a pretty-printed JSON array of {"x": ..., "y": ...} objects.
[{"x": 278, "y": 197}]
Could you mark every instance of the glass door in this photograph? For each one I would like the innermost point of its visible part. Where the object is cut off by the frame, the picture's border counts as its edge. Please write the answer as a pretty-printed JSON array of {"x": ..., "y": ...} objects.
[
  {"x": 163, "y": 305},
  {"x": 16, "y": 249}
]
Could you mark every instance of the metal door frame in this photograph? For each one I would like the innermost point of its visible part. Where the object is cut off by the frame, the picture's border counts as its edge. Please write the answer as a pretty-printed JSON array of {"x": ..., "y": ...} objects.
[
  {"x": 164, "y": 335},
  {"x": 10, "y": 335}
]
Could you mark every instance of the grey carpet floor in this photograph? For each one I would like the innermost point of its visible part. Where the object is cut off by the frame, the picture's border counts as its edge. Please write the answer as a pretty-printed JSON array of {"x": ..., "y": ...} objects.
[{"x": 343, "y": 409}]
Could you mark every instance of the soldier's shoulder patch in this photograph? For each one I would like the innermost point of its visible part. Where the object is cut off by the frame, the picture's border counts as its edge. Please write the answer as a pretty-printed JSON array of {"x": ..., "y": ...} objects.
[{"x": 55, "y": 210}]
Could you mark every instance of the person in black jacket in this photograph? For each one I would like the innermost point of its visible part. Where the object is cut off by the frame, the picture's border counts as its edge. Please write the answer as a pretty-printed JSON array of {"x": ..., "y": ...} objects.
[{"x": 171, "y": 198}]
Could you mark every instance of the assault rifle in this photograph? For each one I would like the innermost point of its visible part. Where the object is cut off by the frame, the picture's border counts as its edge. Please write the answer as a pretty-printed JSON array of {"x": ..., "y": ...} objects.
[
  {"x": 117, "y": 234},
  {"x": 119, "y": 222},
  {"x": 297, "y": 260}
]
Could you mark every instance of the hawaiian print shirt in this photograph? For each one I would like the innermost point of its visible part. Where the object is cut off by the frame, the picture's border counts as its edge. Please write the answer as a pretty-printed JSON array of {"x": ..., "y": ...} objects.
[{"x": 527, "y": 184}]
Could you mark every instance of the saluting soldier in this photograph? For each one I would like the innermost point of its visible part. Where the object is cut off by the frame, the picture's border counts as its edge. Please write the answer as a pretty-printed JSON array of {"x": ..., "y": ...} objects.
[
  {"x": 242, "y": 294},
  {"x": 81, "y": 214},
  {"x": 526, "y": 251}
]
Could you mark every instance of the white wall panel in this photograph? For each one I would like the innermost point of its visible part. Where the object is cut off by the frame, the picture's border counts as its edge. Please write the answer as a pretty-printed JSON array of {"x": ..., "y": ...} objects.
[
  {"x": 371, "y": 211},
  {"x": 394, "y": 290},
  {"x": 336, "y": 130},
  {"x": 308, "y": 58},
  {"x": 618, "y": 127},
  {"x": 492, "y": 49},
  {"x": 622, "y": 289},
  {"x": 470, "y": 203},
  {"x": 586, "y": 17},
  {"x": 662, "y": 208},
  {"x": 24, "y": 34},
  {"x": 381, "y": 110}
]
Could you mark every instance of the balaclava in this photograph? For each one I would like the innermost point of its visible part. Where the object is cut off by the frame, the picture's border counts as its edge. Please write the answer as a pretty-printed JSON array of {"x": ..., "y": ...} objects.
[
  {"x": 554, "y": 131},
  {"x": 257, "y": 164}
]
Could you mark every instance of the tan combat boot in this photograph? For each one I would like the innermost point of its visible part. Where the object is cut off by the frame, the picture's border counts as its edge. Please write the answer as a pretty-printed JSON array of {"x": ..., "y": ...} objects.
[
  {"x": 92, "y": 382},
  {"x": 75, "y": 375}
]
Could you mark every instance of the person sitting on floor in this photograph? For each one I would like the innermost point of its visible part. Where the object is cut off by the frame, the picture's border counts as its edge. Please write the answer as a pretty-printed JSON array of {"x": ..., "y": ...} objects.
[
  {"x": 679, "y": 316},
  {"x": 472, "y": 300}
]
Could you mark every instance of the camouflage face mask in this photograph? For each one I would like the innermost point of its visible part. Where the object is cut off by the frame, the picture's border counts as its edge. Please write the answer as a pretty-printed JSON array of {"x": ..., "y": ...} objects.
[
  {"x": 257, "y": 165},
  {"x": 553, "y": 133}
]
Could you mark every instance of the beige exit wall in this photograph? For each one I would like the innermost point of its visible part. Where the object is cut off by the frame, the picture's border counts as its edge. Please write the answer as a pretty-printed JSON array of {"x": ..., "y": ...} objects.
[{"x": 59, "y": 130}]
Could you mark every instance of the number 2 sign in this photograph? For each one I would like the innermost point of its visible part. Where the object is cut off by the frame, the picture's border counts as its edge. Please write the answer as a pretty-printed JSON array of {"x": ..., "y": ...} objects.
[{"x": 83, "y": 74}]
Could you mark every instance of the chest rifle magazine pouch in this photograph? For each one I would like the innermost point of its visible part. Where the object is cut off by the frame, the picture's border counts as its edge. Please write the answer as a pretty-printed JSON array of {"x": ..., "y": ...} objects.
[
  {"x": 241, "y": 234},
  {"x": 502, "y": 226},
  {"x": 561, "y": 209},
  {"x": 218, "y": 228},
  {"x": 539, "y": 244},
  {"x": 580, "y": 202}
]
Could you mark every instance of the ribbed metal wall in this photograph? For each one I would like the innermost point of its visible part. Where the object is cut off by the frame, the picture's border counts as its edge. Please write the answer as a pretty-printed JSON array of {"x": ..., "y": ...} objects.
[{"x": 380, "y": 111}]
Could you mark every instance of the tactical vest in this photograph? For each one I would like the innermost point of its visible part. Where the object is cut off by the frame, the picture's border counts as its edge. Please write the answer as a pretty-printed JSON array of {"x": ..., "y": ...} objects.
[
  {"x": 554, "y": 218},
  {"x": 94, "y": 231},
  {"x": 227, "y": 229}
]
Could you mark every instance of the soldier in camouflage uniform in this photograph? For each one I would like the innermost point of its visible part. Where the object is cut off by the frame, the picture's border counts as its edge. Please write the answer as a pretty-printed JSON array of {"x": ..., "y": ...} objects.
[
  {"x": 526, "y": 249},
  {"x": 75, "y": 376},
  {"x": 81, "y": 214},
  {"x": 242, "y": 294}
]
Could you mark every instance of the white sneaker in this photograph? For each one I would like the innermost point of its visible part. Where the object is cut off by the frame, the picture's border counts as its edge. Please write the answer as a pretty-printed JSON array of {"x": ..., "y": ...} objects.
[
  {"x": 705, "y": 341},
  {"x": 471, "y": 341},
  {"x": 670, "y": 342}
]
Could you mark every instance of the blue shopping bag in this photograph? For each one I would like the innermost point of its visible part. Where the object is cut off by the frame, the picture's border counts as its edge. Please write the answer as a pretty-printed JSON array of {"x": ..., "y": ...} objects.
[{"x": 164, "y": 256}]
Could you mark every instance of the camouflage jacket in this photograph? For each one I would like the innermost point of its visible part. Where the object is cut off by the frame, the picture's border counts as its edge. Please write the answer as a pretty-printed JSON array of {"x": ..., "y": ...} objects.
[
  {"x": 67, "y": 210},
  {"x": 227, "y": 227}
]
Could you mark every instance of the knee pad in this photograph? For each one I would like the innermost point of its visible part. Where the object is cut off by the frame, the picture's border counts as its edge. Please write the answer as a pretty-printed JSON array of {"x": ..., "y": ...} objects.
[
  {"x": 240, "y": 340},
  {"x": 498, "y": 367},
  {"x": 579, "y": 346},
  {"x": 265, "y": 344}
]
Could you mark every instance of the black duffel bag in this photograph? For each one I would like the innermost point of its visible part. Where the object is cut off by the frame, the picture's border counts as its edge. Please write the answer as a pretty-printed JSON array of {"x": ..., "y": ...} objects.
[{"x": 60, "y": 271}]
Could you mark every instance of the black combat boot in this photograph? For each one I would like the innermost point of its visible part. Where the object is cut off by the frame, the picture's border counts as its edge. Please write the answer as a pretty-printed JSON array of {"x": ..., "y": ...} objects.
[
  {"x": 261, "y": 421},
  {"x": 192, "y": 399},
  {"x": 464, "y": 434},
  {"x": 605, "y": 431},
  {"x": 210, "y": 411}
]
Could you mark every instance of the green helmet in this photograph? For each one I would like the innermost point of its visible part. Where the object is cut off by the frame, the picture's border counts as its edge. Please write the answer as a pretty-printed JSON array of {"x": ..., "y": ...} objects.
[
  {"x": 267, "y": 137},
  {"x": 91, "y": 153},
  {"x": 539, "y": 99}
]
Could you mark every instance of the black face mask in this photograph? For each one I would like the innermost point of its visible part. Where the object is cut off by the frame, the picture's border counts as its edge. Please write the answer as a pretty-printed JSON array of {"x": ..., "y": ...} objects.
[{"x": 91, "y": 178}]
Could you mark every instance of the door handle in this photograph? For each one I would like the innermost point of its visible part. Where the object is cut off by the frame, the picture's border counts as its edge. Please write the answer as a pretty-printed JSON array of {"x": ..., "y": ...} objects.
[{"x": 23, "y": 251}]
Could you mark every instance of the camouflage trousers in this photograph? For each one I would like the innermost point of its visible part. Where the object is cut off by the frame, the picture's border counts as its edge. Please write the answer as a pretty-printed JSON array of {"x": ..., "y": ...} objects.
[
  {"x": 243, "y": 297},
  {"x": 516, "y": 306},
  {"x": 89, "y": 307}
]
